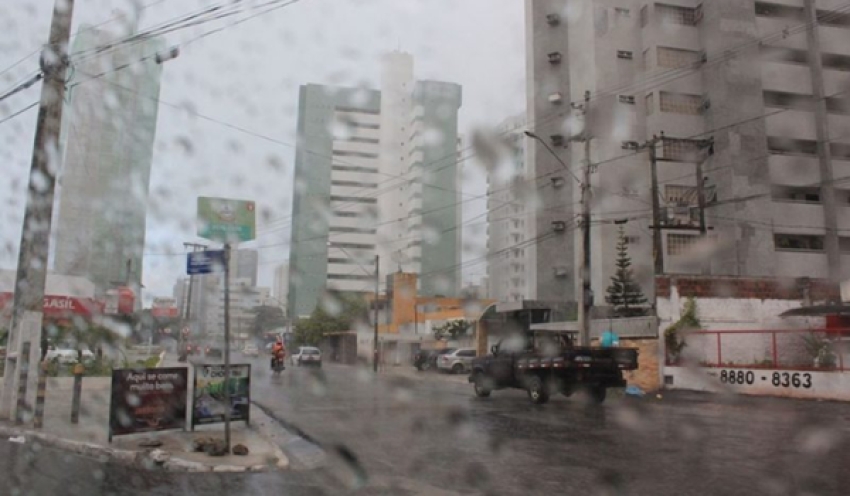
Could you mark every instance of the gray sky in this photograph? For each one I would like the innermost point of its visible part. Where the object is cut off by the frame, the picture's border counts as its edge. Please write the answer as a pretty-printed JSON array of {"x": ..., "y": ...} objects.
[{"x": 248, "y": 76}]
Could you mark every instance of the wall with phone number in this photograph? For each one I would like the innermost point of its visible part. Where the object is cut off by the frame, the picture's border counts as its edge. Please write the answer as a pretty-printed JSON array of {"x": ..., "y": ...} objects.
[{"x": 762, "y": 382}]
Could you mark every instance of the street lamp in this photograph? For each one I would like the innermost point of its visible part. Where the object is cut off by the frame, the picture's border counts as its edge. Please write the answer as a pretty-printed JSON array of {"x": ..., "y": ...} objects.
[
  {"x": 585, "y": 303},
  {"x": 374, "y": 301}
]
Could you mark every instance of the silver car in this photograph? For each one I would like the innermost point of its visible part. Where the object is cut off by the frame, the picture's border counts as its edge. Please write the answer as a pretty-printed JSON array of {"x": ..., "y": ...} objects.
[
  {"x": 456, "y": 362},
  {"x": 307, "y": 355}
]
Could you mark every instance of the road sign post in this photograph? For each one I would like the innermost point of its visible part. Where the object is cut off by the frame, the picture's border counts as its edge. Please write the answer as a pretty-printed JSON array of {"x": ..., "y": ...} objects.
[{"x": 226, "y": 221}]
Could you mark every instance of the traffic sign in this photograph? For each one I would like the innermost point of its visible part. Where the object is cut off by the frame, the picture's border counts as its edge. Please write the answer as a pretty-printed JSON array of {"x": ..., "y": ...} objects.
[
  {"x": 205, "y": 262},
  {"x": 226, "y": 220}
]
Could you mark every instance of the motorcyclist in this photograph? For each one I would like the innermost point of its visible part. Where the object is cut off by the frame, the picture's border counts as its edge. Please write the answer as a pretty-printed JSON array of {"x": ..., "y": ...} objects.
[{"x": 278, "y": 352}]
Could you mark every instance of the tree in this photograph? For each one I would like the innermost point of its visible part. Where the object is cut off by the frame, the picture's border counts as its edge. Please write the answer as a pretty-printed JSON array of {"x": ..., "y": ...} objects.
[
  {"x": 337, "y": 313},
  {"x": 452, "y": 329},
  {"x": 267, "y": 318},
  {"x": 624, "y": 293}
]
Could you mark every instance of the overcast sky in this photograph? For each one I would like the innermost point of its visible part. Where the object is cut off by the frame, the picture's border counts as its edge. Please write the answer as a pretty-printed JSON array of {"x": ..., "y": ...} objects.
[{"x": 247, "y": 76}]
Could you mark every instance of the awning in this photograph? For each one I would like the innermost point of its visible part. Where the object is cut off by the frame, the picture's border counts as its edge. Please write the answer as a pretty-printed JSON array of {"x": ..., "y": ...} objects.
[{"x": 818, "y": 310}]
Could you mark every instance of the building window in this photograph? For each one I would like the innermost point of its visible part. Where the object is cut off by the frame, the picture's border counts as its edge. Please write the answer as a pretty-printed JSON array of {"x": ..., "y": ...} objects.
[
  {"x": 353, "y": 199},
  {"x": 674, "y": 14},
  {"x": 350, "y": 277},
  {"x": 646, "y": 61},
  {"x": 791, "y": 146},
  {"x": 795, "y": 194},
  {"x": 650, "y": 103},
  {"x": 633, "y": 240},
  {"x": 353, "y": 184},
  {"x": 675, "y": 58},
  {"x": 683, "y": 150},
  {"x": 341, "y": 153},
  {"x": 680, "y": 103},
  {"x": 620, "y": 11},
  {"x": 644, "y": 16},
  {"x": 680, "y": 195},
  {"x": 766, "y": 9},
  {"x": 625, "y": 54},
  {"x": 352, "y": 168},
  {"x": 798, "y": 242},
  {"x": 352, "y": 230},
  {"x": 627, "y": 99},
  {"x": 680, "y": 244}
]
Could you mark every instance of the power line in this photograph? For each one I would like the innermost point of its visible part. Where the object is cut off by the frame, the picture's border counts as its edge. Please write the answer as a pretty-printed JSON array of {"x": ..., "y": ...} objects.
[{"x": 19, "y": 112}]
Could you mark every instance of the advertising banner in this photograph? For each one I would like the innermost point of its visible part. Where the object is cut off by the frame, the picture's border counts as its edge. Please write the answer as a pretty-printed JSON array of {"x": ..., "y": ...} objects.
[
  {"x": 226, "y": 220},
  {"x": 210, "y": 398},
  {"x": 146, "y": 400}
]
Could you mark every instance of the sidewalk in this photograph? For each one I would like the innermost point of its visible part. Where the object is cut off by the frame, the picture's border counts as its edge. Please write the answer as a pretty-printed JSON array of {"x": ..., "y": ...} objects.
[{"x": 91, "y": 435}]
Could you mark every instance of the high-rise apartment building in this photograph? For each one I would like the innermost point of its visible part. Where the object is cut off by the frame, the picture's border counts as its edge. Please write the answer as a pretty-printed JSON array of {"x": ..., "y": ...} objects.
[
  {"x": 762, "y": 79},
  {"x": 375, "y": 174},
  {"x": 107, "y": 137},
  {"x": 507, "y": 217},
  {"x": 281, "y": 284}
]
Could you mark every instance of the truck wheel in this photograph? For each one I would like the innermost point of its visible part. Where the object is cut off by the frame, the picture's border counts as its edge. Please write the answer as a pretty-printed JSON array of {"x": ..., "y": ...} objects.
[
  {"x": 457, "y": 369},
  {"x": 537, "y": 392},
  {"x": 598, "y": 393},
  {"x": 481, "y": 389}
]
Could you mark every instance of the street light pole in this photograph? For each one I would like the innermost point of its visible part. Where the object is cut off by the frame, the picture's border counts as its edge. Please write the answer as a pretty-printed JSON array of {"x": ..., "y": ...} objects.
[
  {"x": 585, "y": 302},
  {"x": 586, "y": 195},
  {"x": 35, "y": 236}
]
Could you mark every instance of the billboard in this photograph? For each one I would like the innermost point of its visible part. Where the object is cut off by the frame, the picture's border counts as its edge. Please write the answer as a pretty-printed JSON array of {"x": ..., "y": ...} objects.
[
  {"x": 209, "y": 402},
  {"x": 59, "y": 306},
  {"x": 147, "y": 400},
  {"x": 226, "y": 220}
]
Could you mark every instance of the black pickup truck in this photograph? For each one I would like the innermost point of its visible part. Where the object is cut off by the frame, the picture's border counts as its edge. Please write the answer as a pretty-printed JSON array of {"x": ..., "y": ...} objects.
[{"x": 546, "y": 362}]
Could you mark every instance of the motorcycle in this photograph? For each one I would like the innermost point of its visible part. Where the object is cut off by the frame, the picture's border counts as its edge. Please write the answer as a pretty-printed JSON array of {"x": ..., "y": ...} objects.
[{"x": 278, "y": 364}]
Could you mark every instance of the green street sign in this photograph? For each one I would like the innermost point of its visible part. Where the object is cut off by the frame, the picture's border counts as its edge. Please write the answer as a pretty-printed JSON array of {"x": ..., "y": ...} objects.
[{"x": 226, "y": 220}]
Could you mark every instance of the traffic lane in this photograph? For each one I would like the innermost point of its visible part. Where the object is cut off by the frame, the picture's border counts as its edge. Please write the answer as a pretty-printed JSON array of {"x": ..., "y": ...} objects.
[
  {"x": 436, "y": 431},
  {"x": 34, "y": 469}
]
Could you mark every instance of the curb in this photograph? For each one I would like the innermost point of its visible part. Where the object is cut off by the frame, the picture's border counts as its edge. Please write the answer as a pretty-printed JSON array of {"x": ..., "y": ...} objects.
[{"x": 151, "y": 459}]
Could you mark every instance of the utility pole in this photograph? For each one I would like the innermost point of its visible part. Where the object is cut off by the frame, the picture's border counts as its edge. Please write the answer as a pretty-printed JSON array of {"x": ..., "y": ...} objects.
[
  {"x": 227, "y": 389},
  {"x": 377, "y": 289},
  {"x": 657, "y": 242},
  {"x": 586, "y": 195},
  {"x": 35, "y": 237}
]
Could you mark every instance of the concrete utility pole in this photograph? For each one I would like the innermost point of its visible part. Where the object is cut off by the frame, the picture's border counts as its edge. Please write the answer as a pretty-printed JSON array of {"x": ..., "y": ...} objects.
[
  {"x": 586, "y": 302},
  {"x": 657, "y": 242},
  {"x": 227, "y": 389},
  {"x": 35, "y": 236},
  {"x": 377, "y": 289}
]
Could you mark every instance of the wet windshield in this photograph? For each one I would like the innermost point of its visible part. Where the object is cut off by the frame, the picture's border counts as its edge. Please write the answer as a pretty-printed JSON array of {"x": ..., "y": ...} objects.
[{"x": 425, "y": 247}]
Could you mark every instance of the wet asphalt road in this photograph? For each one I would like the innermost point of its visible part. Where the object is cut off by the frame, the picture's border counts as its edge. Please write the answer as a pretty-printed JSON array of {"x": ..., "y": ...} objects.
[
  {"x": 412, "y": 436},
  {"x": 409, "y": 436}
]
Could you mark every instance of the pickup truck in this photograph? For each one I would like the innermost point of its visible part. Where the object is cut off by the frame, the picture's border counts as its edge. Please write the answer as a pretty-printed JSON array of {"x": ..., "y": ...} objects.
[{"x": 545, "y": 362}]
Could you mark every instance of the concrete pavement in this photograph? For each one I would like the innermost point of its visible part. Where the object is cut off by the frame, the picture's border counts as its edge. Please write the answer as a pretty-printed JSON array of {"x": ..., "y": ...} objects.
[{"x": 91, "y": 435}]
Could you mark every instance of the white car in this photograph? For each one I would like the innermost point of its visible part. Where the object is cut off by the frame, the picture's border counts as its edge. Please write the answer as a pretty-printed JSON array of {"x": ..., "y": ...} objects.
[
  {"x": 456, "y": 362},
  {"x": 68, "y": 356},
  {"x": 307, "y": 355}
]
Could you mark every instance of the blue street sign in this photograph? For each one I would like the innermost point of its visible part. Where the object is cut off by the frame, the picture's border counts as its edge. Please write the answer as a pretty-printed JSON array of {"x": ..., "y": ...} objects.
[{"x": 205, "y": 262}]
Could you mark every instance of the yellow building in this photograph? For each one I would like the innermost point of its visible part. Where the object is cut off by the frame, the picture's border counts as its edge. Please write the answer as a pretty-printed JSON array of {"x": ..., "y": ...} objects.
[{"x": 406, "y": 321}]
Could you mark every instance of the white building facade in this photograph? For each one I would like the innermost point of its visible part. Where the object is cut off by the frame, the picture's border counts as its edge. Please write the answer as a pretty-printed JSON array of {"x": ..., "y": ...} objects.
[{"x": 740, "y": 72}]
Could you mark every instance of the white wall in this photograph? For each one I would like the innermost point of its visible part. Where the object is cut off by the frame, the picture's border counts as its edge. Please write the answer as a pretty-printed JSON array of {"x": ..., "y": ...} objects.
[{"x": 821, "y": 385}]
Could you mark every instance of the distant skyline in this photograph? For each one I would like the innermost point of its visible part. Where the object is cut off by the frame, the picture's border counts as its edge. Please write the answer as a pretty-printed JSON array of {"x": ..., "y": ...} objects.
[{"x": 228, "y": 104}]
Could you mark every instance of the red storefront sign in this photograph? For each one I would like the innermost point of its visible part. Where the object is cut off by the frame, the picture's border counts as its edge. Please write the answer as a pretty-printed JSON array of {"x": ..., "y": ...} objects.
[{"x": 59, "y": 306}]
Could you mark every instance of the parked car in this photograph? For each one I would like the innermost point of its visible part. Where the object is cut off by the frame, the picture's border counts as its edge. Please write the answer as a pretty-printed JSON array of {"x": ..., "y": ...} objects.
[
  {"x": 427, "y": 359},
  {"x": 213, "y": 351},
  {"x": 307, "y": 355},
  {"x": 251, "y": 350},
  {"x": 456, "y": 362},
  {"x": 67, "y": 355}
]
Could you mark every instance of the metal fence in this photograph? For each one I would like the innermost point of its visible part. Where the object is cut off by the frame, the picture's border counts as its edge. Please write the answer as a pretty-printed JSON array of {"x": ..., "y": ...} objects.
[{"x": 797, "y": 349}]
